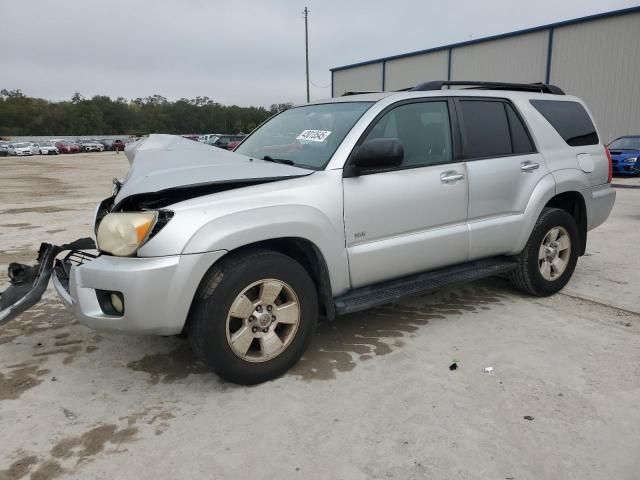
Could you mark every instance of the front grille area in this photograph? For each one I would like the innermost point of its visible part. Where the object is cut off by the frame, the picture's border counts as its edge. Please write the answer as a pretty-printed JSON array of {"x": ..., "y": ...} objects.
[{"x": 73, "y": 258}]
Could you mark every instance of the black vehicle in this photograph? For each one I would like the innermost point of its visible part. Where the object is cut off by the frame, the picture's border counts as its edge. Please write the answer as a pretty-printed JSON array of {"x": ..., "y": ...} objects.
[{"x": 4, "y": 149}]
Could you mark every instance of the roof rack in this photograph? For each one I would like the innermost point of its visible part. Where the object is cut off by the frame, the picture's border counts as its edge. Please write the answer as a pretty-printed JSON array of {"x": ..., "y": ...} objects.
[
  {"x": 520, "y": 87},
  {"x": 347, "y": 94}
]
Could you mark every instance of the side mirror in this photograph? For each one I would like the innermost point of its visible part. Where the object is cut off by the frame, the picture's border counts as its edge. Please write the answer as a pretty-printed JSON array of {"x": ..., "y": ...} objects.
[{"x": 376, "y": 154}]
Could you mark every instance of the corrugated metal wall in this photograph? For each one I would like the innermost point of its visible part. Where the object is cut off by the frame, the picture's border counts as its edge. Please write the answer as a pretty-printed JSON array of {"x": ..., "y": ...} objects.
[
  {"x": 409, "y": 71},
  {"x": 599, "y": 61},
  {"x": 514, "y": 59},
  {"x": 595, "y": 59},
  {"x": 364, "y": 78}
]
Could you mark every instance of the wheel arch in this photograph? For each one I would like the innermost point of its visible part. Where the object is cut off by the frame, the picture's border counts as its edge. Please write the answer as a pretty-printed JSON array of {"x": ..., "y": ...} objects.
[
  {"x": 307, "y": 254},
  {"x": 574, "y": 204}
]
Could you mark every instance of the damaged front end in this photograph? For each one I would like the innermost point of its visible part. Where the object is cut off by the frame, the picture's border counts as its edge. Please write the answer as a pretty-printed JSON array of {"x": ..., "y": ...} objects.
[{"x": 27, "y": 283}]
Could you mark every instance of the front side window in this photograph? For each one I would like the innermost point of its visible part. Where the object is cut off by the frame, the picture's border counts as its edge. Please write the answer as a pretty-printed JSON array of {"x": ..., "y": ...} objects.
[
  {"x": 306, "y": 136},
  {"x": 423, "y": 129},
  {"x": 570, "y": 120}
]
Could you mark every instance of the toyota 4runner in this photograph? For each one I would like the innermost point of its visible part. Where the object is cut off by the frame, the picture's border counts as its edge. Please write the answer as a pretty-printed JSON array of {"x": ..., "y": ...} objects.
[{"x": 329, "y": 208}]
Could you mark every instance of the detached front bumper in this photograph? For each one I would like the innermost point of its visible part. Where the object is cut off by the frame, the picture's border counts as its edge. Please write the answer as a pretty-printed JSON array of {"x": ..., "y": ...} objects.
[{"x": 156, "y": 292}]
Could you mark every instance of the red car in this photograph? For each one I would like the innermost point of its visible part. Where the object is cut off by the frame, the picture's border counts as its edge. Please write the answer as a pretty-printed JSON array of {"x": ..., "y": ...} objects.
[{"x": 65, "y": 147}]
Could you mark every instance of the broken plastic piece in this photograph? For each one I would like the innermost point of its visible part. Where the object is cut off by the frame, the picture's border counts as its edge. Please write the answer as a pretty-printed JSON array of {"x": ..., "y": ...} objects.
[{"x": 488, "y": 370}]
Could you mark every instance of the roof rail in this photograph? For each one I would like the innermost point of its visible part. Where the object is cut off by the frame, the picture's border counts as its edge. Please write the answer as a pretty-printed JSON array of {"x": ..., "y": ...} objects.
[
  {"x": 346, "y": 94},
  {"x": 520, "y": 87}
]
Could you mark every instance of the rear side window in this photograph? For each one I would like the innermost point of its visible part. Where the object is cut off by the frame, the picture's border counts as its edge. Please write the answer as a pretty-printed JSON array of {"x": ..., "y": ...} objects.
[
  {"x": 570, "y": 120},
  {"x": 486, "y": 129},
  {"x": 493, "y": 129}
]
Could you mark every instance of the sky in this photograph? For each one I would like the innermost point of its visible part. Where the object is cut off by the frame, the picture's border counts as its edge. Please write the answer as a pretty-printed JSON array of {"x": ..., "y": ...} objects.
[{"x": 237, "y": 51}]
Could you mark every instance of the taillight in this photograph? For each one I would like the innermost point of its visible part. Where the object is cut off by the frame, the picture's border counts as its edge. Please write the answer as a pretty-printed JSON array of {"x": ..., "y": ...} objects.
[{"x": 610, "y": 177}]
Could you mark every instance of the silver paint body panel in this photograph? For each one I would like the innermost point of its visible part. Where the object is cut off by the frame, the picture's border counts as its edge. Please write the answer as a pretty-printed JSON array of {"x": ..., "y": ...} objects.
[{"x": 368, "y": 228}]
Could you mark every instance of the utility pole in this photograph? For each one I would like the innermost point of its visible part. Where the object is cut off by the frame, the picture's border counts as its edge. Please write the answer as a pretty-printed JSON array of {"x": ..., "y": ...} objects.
[{"x": 306, "y": 46}]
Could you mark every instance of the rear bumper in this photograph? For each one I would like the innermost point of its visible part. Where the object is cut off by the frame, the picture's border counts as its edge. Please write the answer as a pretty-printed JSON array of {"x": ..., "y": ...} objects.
[
  {"x": 601, "y": 200},
  {"x": 157, "y": 291}
]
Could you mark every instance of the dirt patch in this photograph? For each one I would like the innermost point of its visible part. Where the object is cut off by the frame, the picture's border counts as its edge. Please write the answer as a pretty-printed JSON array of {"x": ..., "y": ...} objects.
[
  {"x": 15, "y": 225},
  {"x": 19, "y": 379},
  {"x": 361, "y": 336},
  {"x": 93, "y": 441},
  {"x": 47, "y": 471},
  {"x": 57, "y": 230},
  {"x": 169, "y": 367},
  {"x": 19, "y": 468},
  {"x": 69, "y": 454},
  {"x": 47, "y": 209}
]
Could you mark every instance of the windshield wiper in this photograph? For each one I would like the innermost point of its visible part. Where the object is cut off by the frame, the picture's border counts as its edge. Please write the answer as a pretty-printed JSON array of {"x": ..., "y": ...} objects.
[{"x": 278, "y": 160}]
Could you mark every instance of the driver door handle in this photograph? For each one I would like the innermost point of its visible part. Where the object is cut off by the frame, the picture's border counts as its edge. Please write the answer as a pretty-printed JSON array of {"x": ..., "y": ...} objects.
[{"x": 451, "y": 176}]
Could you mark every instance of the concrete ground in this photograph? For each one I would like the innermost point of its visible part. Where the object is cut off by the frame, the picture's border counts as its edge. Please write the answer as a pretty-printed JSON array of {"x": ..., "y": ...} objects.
[{"x": 373, "y": 398}]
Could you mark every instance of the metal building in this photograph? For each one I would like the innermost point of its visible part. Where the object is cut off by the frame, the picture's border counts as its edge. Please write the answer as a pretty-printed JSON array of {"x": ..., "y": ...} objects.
[{"x": 596, "y": 58}]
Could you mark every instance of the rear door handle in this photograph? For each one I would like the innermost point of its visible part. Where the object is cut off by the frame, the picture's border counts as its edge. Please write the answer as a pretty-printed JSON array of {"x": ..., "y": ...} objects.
[
  {"x": 450, "y": 177},
  {"x": 529, "y": 166}
]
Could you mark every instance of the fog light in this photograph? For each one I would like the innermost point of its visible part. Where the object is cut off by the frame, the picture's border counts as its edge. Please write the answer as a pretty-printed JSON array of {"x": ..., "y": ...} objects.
[{"x": 117, "y": 302}]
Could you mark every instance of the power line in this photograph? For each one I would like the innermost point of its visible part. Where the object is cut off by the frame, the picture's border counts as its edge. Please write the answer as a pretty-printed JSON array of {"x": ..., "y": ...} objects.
[{"x": 319, "y": 86}]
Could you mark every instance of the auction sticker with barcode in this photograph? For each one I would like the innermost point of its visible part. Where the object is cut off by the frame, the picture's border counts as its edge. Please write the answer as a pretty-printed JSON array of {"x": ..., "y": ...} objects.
[{"x": 314, "y": 135}]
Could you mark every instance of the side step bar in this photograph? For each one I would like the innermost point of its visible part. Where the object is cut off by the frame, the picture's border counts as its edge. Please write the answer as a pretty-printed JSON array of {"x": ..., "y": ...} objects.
[{"x": 392, "y": 290}]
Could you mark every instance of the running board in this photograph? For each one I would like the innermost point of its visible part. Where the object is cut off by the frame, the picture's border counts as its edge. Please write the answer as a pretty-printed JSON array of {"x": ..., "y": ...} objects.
[{"x": 392, "y": 290}]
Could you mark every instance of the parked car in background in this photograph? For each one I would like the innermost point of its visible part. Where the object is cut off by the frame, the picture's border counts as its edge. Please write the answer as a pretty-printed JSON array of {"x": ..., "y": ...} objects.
[
  {"x": 44, "y": 148},
  {"x": 20, "y": 149},
  {"x": 207, "y": 136},
  {"x": 625, "y": 155},
  {"x": 232, "y": 145},
  {"x": 91, "y": 146},
  {"x": 67, "y": 147},
  {"x": 4, "y": 148},
  {"x": 112, "y": 145},
  {"x": 222, "y": 141}
]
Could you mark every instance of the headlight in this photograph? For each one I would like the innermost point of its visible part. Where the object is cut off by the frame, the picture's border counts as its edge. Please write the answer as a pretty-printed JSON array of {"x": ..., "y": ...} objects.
[
  {"x": 122, "y": 234},
  {"x": 631, "y": 159}
]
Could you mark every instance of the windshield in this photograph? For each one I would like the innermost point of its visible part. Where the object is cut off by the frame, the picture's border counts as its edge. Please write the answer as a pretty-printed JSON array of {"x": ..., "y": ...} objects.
[
  {"x": 20, "y": 145},
  {"x": 625, "y": 143},
  {"x": 46, "y": 144},
  {"x": 306, "y": 136}
]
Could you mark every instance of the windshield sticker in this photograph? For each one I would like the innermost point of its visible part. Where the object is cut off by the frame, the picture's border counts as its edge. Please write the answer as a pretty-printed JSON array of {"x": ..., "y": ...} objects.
[{"x": 313, "y": 135}]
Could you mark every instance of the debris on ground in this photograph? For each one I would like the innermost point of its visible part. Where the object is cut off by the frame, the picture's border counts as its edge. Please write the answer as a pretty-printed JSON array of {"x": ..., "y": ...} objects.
[
  {"x": 528, "y": 417},
  {"x": 488, "y": 370}
]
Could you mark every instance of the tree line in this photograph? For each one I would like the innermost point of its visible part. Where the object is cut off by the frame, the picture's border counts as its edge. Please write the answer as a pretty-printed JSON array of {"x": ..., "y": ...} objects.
[{"x": 21, "y": 115}]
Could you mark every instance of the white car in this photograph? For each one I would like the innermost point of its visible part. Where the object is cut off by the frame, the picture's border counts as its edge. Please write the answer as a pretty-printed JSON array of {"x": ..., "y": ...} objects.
[
  {"x": 91, "y": 146},
  {"x": 20, "y": 149},
  {"x": 44, "y": 148}
]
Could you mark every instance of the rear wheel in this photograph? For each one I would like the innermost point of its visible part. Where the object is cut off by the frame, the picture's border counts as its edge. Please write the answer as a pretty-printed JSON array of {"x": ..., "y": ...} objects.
[
  {"x": 253, "y": 316},
  {"x": 548, "y": 260}
]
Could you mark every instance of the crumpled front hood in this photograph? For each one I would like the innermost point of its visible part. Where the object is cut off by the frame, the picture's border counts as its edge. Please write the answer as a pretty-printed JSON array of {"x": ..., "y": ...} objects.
[{"x": 164, "y": 162}]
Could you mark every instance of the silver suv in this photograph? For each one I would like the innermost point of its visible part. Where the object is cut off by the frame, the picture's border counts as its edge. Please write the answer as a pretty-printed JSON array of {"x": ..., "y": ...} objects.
[{"x": 330, "y": 208}]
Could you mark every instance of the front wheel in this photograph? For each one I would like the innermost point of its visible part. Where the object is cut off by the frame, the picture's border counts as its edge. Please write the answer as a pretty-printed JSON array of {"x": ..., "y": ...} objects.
[
  {"x": 253, "y": 316},
  {"x": 548, "y": 260}
]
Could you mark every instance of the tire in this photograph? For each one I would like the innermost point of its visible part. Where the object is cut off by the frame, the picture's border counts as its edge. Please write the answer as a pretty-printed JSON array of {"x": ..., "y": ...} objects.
[
  {"x": 211, "y": 326},
  {"x": 539, "y": 276}
]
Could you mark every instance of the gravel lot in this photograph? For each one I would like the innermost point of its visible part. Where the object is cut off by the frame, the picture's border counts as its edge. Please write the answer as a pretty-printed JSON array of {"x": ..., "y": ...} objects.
[{"x": 373, "y": 398}]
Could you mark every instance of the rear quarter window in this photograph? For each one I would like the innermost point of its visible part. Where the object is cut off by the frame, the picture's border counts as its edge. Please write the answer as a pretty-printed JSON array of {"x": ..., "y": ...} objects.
[{"x": 570, "y": 120}]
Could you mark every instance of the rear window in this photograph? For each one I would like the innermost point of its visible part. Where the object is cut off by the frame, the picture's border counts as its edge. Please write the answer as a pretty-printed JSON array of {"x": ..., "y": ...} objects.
[
  {"x": 493, "y": 129},
  {"x": 570, "y": 120}
]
